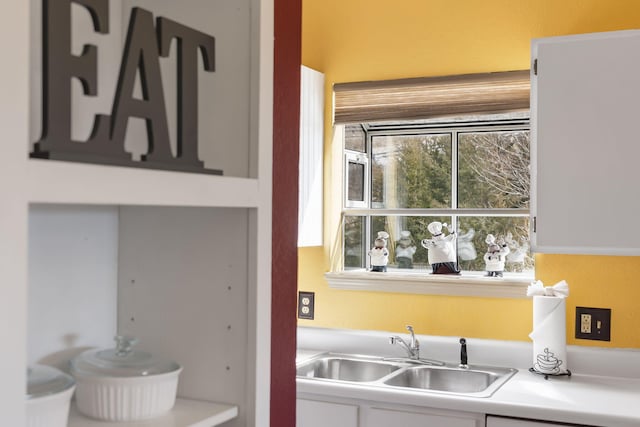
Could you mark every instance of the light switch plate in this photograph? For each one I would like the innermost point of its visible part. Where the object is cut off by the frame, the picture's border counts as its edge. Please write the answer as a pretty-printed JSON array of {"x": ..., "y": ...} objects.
[{"x": 593, "y": 323}]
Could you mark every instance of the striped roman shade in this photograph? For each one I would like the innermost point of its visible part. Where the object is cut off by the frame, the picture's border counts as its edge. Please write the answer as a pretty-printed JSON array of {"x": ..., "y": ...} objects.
[{"x": 429, "y": 97}]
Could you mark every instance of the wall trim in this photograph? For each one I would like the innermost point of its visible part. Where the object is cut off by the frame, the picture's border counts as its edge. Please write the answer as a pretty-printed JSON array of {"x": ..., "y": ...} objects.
[{"x": 429, "y": 284}]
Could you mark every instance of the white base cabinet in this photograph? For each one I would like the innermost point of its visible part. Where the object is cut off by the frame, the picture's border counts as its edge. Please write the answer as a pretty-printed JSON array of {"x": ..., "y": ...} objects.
[
  {"x": 362, "y": 413},
  {"x": 515, "y": 422},
  {"x": 315, "y": 413},
  {"x": 378, "y": 417}
]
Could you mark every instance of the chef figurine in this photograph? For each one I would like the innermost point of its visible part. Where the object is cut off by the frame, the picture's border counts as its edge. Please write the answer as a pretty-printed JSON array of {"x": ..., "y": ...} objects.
[
  {"x": 518, "y": 252},
  {"x": 442, "y": 254},
  {"x": 495, "y": 256},
  {"x": 405, "y": 250},
  {"x": 466, "y": 248},
  {"x": 379, "y": 253}
]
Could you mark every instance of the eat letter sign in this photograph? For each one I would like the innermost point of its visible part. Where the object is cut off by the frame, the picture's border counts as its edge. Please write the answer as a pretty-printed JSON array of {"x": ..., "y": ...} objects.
[{"x": 145, "y": 43}]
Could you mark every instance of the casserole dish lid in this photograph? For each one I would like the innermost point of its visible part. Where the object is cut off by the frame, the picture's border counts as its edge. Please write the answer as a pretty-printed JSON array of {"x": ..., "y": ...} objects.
[
  {"x": 45, "y": 380},
  {"x": 122, "y": 361}
]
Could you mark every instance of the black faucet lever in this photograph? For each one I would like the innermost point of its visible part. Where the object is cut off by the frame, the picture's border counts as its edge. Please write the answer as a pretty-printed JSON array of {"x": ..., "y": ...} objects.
[{"x": 463, "y": 353}]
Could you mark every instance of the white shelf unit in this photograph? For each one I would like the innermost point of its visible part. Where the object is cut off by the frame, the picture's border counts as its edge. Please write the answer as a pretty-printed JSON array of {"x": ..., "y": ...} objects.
[
  {"x": 186, "y": 413},
  {"x": 191, "y": 272},
  {"x": 73, "y": 183}
]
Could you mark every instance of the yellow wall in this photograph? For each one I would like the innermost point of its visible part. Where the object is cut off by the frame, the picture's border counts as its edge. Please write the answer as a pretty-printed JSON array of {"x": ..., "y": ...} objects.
[{"x": 356, "y": 40}]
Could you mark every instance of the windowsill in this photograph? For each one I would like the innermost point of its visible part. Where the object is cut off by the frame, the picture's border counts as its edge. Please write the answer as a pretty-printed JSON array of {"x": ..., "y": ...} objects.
[{"x": 510, "y": 286}]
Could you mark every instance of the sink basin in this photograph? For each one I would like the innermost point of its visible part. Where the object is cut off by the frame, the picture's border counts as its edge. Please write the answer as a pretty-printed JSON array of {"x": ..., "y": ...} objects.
[
  {"x": 475, "y": 381},
  {"x": 346, "y": 368},
  {"x": 481, "y": 382}
]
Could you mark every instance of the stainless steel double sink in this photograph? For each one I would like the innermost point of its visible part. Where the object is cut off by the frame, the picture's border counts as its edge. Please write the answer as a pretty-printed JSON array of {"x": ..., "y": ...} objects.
[{"x": 475, "y": 381}]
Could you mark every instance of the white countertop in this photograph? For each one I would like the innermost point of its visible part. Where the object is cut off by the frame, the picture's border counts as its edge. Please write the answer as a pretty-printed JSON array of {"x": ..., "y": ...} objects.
[
  {"x": 602, "y": 397},
  {"x": 581, "y": 399}
]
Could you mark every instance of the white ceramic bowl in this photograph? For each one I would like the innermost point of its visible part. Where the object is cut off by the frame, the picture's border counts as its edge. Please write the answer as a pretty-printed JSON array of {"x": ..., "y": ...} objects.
[
  {"x": 49, "y": 411},
  {"x": 49, "y": 392},
  {"x": 126, "y": 398},
  {"x": 123, "y": 384}
]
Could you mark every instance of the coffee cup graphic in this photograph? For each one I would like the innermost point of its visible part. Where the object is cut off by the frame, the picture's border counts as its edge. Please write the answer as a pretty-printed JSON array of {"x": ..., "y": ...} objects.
[{"x": 547, "y": 363}]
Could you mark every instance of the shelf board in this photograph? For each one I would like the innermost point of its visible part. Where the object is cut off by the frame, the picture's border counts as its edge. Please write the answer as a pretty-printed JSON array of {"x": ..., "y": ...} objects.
[
  {"x": 186, "y": 413},
  {"x": 430, "y": 284},
  {"x": 52, "y": 181}
]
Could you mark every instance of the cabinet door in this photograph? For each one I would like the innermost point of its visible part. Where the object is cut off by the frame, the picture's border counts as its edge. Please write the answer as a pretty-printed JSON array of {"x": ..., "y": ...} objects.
[
  {"x": 310, "y": 194},
  {"x": 512, "y": 422},
  {"x": 584, "y": 154},
  {"x": 314, "y": 413},
  {"x": 396, "y": 418}
]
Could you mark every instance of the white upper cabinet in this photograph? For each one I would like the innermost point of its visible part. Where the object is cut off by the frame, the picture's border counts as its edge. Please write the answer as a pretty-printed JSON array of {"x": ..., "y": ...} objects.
[
  {"x": 585, "y": 93},
  {"x": 311, "y": 151}
]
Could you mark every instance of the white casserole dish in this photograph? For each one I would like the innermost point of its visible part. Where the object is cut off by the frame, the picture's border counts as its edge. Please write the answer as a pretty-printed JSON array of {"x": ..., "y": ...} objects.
[
  {"x": 124, "y": 385},
  {"x": 49, "y": 392}
]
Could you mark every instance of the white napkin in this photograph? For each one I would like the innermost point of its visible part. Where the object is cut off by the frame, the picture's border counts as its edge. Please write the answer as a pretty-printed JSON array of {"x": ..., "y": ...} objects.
[{"x": 560, "y": 289}]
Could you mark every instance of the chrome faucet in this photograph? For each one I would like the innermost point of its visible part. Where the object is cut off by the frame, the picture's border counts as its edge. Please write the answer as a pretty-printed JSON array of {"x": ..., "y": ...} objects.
[{"x": 413, "y": 348}]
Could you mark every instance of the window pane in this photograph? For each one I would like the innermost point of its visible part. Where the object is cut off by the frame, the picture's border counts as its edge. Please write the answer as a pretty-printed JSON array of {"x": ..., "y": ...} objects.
[
  {"x": 354, "y": 138},
  {"x": 356, "y": 175},
  {"x": 493, "y": 170},
  {"x": 405, "y": 235},
  {"x": 472, "y": 245},
  {"x": 411, "y": 171},
  {"x": 354, "y": 234}
]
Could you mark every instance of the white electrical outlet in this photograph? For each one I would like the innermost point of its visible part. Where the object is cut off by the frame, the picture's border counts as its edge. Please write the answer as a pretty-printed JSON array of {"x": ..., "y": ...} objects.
[
  {"x": 585, "y": 323},
  {"x": 306, "y": 305}
]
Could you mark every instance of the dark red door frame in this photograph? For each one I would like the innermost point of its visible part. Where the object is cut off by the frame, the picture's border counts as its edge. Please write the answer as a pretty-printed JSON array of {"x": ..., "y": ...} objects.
[{"x": 286, "y": 127}]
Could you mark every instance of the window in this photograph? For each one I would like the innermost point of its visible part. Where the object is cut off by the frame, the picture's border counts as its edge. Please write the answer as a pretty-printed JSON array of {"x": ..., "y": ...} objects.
[
  {"x": 471, "y": 174},
  {"x": 357, "y": 180}
]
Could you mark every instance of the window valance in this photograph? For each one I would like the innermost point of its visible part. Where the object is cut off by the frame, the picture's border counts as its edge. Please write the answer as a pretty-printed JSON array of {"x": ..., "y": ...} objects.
[{"x": 429, "y": 97}]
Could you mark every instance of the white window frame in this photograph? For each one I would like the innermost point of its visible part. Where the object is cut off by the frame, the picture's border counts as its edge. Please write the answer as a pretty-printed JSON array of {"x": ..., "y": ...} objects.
[{"x": 420, "y": 282}]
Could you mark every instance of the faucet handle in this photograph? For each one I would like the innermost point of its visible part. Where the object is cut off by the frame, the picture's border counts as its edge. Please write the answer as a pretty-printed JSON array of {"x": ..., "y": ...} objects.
[
  {"x": 414, "y": 341},
  {"x": 414, "y": 345},
  {"x": 463, "y": 353}
]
